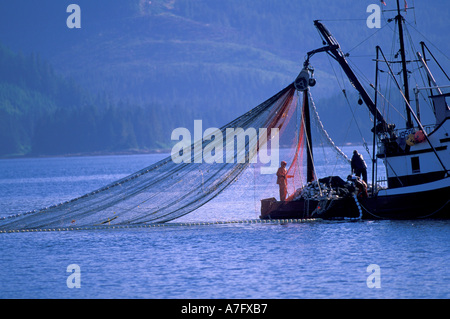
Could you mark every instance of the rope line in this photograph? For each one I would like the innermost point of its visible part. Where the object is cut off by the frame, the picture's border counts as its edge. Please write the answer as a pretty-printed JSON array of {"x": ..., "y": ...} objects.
[{"x": 167, "y": 225}]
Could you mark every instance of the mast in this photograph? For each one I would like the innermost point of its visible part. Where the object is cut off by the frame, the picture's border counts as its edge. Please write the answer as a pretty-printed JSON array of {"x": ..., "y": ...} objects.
[
  {"x": 422, "y": 44},
  {"x": 399, "y": 19},
  {"x": 309, "y": 149},
  {"x": 374, "y": 158},
  {"x": 302, "y": 84}
]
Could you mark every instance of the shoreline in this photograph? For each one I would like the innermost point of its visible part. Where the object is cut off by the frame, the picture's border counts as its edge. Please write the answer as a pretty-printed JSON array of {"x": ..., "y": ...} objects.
[
  {"x": 82, "y": 154},
  {"x": 115, "y": 153}
]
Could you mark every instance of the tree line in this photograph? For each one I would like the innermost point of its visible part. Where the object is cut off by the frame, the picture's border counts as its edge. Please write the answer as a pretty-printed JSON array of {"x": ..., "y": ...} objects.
[{"x": 42, "y": 113}]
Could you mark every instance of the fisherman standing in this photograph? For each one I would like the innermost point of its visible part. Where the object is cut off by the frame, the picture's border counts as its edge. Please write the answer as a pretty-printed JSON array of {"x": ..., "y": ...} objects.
[
  {"x": 359, "y": 166},
  {"x": 282, "y": 180}
]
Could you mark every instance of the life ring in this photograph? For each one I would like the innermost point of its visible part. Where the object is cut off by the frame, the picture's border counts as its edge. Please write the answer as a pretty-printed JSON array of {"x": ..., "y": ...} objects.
[
  {"x": 419, "y": 136},
  {"x": 410, "y": 140}
]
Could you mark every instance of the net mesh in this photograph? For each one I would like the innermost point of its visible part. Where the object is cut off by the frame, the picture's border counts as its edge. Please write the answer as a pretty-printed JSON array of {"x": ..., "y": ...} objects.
[{"x": 167, "y": 189}]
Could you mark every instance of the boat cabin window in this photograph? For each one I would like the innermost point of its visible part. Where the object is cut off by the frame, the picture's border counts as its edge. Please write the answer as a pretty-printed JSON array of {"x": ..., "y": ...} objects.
[{"x": 415, "y": 165}]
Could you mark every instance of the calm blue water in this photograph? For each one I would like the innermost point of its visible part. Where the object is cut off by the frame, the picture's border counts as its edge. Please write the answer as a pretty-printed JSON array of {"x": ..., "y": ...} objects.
[{"x": 310, "y": 260}]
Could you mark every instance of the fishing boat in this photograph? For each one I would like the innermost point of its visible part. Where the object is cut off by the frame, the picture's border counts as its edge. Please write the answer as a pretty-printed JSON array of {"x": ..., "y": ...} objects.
[{"x": 416, "y": 158}]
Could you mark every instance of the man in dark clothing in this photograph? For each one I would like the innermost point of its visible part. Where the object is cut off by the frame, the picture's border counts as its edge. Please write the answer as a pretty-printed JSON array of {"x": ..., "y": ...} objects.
[{"x": 359, "y": 167}]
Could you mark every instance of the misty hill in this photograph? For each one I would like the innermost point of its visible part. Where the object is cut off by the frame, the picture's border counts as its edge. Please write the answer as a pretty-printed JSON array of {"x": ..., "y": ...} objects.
[{"x": 180, "y": 60}]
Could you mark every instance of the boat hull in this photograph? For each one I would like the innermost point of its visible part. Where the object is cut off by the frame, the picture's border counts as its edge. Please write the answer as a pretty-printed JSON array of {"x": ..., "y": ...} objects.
[
  {"x": 427, "y": 204},
  {"x": 432, "y": 203},
  {"x": 298, "y": 209}
]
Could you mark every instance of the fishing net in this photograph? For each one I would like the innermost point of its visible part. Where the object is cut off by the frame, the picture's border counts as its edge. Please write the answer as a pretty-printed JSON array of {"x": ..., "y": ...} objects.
[
  {"x": 295, "y": 173},
  {"x": 193, "y": 175}
]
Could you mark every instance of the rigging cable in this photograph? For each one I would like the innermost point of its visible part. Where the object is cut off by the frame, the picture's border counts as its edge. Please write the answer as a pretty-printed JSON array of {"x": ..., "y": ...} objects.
[
  {"x": 428, "y": 40},
  {"x": 351, "y": 110},
  {"x": 328, "y": 138}
]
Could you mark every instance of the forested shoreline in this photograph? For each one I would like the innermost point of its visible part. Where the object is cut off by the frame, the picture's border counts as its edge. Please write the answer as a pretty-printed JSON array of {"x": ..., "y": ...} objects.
[
  {"x": 42, "y": 113},
  {"x": 45, "y": 114},
  {"x": 136, "y": 70}
]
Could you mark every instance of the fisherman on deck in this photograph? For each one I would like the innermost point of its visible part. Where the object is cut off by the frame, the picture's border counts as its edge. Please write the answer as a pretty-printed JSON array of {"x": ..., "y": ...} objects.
[
  {"x": 359, "y": 167},
  {"x": 282, "y": 180}
]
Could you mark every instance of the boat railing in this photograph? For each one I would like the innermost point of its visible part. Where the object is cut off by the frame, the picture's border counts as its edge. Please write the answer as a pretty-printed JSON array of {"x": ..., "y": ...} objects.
[
  {"x": 404, "y": 132},
  {"x": 382, "y": 182}
]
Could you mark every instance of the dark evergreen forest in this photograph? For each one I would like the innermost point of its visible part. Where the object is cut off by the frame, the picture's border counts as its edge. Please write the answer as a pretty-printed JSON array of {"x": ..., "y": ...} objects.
[
  {"x": 138, "y": 69},
  {"x": 42, "y": 113}
]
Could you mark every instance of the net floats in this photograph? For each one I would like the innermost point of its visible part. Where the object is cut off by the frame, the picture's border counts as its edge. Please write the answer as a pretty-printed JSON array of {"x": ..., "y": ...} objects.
[{"x": 157, "y": 225}]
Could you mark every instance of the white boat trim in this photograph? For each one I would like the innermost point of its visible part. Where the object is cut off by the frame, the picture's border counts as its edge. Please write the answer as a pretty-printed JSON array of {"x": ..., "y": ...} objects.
[{"x": 435, "y": 185}]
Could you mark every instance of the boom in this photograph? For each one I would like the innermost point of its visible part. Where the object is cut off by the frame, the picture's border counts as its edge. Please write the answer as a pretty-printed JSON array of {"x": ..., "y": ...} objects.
[{"x": 335, "y": 51}]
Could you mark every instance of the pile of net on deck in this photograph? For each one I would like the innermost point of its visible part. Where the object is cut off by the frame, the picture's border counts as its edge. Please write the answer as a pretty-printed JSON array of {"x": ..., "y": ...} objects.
[{"x": 168, "y": 190}]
